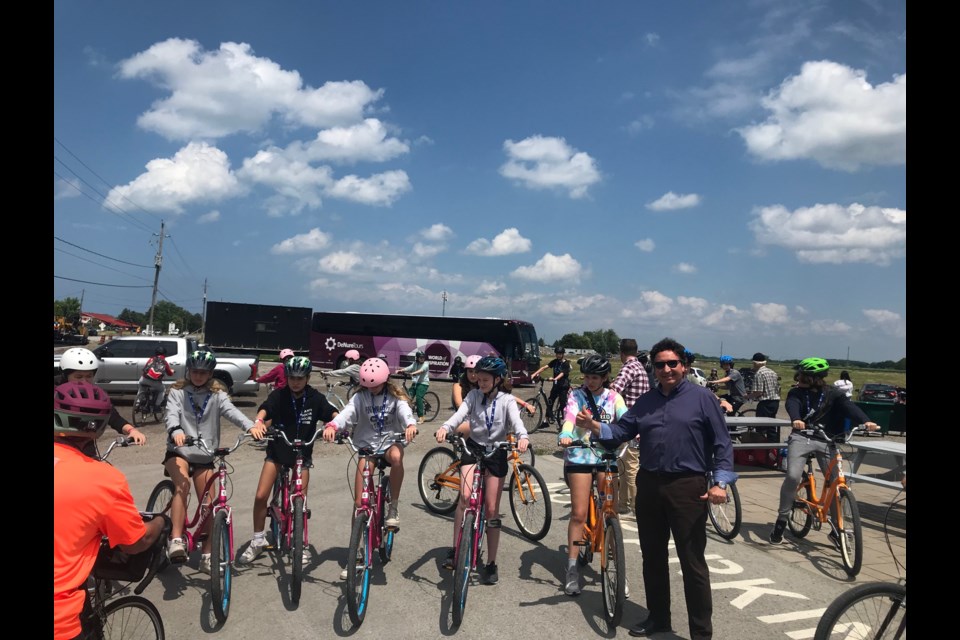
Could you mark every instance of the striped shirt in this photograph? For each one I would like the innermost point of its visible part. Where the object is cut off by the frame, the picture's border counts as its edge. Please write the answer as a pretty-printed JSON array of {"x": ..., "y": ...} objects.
[
  {"x": 766, "y": 384},
  {"x": 632, "y": 381}
]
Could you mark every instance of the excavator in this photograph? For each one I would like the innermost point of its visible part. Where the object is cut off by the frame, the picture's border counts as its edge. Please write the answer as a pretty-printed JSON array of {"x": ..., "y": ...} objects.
[{"x": 69, "y": 330}]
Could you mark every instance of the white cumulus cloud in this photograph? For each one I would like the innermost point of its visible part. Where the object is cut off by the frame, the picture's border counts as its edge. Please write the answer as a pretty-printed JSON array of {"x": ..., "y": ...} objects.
[
  {"x": 646, "y": 244},
  {"x": 382, "y": 189},
  {"x": 313, "y": 240},
  {"x": 490, "y": 287},
  {"x": 211, "y": 216},
  {"x": 671, "y": 201},
  {"x": 338, "y": 262},
  {"x": 684, "y": 267},
  {"x": 437, "y": 232},
  {"x": 888, "y": 321},
  {"x": 506, "y": 242},
  {"x": 770, "y": 313},
  {"x": 540, "y": 162},
  {"x": 550, "y": 268}
]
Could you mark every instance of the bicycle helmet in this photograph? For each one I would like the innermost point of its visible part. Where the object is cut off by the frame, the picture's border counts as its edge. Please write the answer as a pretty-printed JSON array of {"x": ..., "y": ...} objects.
[
  {"x": 78, "y": 359},
  {"x": 298, "y": 367},
  {"x": 420, "y": 354},
  {"x": 595, "y": 365},
  {"x": 80, "y": 409},
  {"x": 559, "y": 350},
  {"x": 201, "y": 361},
  {"x": 353, "y": 354},
  {"x": 286, "y": 353},
  {"x": 374, "y": 372},
  {"x": 817, "y": 367},
  {"x": 643, "y": 356},
  {"x": 492, "y": 364},
  {"x": 472, "y": 361},
  {"x": 688, "y": 357},
  {"x": 726, "y": 360},
  {"x": 160, "y": 351}
]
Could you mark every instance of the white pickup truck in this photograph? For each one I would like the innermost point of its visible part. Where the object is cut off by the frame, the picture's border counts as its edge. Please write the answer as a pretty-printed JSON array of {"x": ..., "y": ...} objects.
[{"x": 122, "y": 361}]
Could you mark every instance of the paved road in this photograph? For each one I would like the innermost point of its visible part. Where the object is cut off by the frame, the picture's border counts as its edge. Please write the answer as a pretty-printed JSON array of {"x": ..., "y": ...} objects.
[{"x": 760, "y": 591}]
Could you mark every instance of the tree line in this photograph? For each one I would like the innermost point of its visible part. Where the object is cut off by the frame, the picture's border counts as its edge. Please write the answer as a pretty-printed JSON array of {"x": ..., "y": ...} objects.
[{"x": 163, "y": 314}]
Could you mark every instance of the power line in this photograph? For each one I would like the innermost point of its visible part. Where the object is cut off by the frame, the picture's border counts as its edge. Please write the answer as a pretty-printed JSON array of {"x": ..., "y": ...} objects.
[
  {"x": 104, "y": 202},
  {"x": 145, "y": 266},
  {"x": 96, "y": 263},
  {"x": 103, "y": 284}
]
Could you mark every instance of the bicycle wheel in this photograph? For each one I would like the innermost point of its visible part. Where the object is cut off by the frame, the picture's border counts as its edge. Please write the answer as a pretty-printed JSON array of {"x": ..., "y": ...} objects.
[
  {"x": 132, "y": 618},
  {"x": 439, "y": 471},
  {"x": 532, "y": 422},
  {"x": 727, "y": 516},
  {"x": 358, "y": 569},
  {"x": 614, "y": 576},
  {"x": 160, "y": 497},
  {"x": 530, "y": 502},
  {"x": 461, "y": 577},
  {"x": 872, "y": 610},
  {"x": 558, "y": 410},
  {"x": 220, "y": 571},
  {"x": 159, "y": 409},
  {"x": 431, "y": 406},
  {"x": 275, "y": 512},
  {"x": 352, "y": 391},
  {"x": 352, "y": 475},
  {"x": 296, "y": 572},
  {"x": 386, "y": 535},
  {"x": 140, "y": 411},
  {"x": 851, "y": 534},
  {"x": 800, "y": 517}
]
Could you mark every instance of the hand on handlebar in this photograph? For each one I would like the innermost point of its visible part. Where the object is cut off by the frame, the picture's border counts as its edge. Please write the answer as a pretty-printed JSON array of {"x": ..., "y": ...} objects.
[
  {"x": 330, "y": 432},
  {"x": 411, "y": 432},
  {"x": 258, "y": 430},
  {"x": 522, "y": 445},
  {"x": 441, "y": 435},
  {"x": 179, "y": 438}
]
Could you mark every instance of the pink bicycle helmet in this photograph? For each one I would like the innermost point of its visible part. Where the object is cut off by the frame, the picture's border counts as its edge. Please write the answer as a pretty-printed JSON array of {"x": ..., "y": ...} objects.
[
  {"x": 80, "y": 409},
  {"x": 472, "y": 361},
  {"x": 286, "y": 353},
  {"x": 374, "y": 372},
  {"x": 353, "y": 354}
]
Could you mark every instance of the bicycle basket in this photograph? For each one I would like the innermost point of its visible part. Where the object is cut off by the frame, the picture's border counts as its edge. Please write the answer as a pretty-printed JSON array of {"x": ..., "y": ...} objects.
[{"x": 114, "y": 564}]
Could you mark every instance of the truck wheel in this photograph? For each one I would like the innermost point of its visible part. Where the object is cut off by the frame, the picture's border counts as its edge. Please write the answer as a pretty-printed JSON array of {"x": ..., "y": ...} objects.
[{"x": 225, "y": 379}]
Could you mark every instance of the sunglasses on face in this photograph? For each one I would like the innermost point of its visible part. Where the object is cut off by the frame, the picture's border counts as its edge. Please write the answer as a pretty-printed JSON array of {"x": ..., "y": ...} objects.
[{"x": 673, "y": 364}]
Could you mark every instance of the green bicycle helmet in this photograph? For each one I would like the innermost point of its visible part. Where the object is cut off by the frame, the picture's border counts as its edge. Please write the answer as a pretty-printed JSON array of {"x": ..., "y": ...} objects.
[
  {"x": 201, "y": 360},
  {"x": 298, "y": 367},
  {"x": 813, "y": 367}
]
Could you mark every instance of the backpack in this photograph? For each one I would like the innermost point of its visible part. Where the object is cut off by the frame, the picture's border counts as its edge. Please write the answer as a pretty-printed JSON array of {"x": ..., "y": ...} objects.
[{"x": 155, "y": 368}]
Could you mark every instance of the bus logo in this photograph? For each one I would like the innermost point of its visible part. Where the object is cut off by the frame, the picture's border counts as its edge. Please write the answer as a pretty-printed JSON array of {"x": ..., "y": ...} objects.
[{"x": 330, "y": 343}]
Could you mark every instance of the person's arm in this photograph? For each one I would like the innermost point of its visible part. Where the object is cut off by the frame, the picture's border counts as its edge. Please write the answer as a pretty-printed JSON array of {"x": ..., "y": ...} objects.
[
  {"x": 270, "y": 376},
  {"x": 151, "y": 533},
  {"x": 564, "y": 372},
  {"x": 455, "y": 420},
  {"x": 722, "y": 445},
  {"x": 457, "y": 395},
  {"x": 167, "y": 368},
  {"x": 231, "y": 413}
]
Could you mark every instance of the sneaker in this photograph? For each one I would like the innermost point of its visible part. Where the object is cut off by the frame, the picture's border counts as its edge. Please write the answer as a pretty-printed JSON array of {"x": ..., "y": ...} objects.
[
  {"x": 204, "y": 566},
  {"x": 492, "y": 576},
  {"x": 344, "y": 574},
  {"x": 776, "y": 536},
  {"x": 450, "y": 561},
  {"x": 177, "y": 551},
  {"x": 420, "y": 420},
  {"x": 305, "y": 557},
  {"x": 834, "y": 535},
  {"x": 572, "y": 587},
  {"x": 393, "y": 518},
  {"x": 626, "y": 590},
  {"x": 253, "y": 551}
]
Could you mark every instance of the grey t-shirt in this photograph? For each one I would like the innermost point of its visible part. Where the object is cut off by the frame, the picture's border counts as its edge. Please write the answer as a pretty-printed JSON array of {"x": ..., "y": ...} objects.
[{"x": 735, "y": 384}]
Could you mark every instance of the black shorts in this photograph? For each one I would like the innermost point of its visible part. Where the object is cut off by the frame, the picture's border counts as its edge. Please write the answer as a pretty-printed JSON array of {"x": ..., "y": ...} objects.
[
  {"x": 495, "y": 464},
  {"x": 281, "y": 453},
  {"x": 587, "y": 468},
  {"x": 192, "y": 466}
]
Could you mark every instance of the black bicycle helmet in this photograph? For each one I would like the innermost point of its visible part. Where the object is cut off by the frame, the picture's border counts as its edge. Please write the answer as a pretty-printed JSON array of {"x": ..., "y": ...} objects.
[
  {"x": 298, "y": 367},
  {"x": 816, "y": 367},
  {"x": 643, "y": 356},
  {"x": 201, "y": 360},
  {"x": 420, "y": 354},
  {"x": 559, "y": 350},
  {"x": 595, "y": 365},
  {"x": 160, "y": 351},
  {"x": 492, "y": 364}
]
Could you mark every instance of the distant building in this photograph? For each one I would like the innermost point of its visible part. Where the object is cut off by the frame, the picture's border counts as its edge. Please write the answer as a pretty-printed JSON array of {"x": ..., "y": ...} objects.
[{"x": 103, "y": 322}]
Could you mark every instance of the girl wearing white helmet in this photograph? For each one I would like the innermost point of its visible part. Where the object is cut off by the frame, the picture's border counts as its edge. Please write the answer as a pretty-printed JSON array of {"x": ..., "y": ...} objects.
[
  {"x": 379, "y": 406},
  {"x": 80, "y": 365},
  {"x": 277, "y": 375}
]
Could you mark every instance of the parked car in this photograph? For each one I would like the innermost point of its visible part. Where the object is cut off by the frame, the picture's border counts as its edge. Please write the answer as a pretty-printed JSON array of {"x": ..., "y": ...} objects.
[
  {"x": 695, "y": 374},
  {"x": 877, "y": 392}
]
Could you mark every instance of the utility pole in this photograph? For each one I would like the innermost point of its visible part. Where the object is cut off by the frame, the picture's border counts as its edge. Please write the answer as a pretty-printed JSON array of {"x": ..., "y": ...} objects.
[
  {"x": 157, "y": 262},
  {"x": 848, "y": 356},
  {"x": 203, "y": 324},
  {"x": 444, "y": 312}
]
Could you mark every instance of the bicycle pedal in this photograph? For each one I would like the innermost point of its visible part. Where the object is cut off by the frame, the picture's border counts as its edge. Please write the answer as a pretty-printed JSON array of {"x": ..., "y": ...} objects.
[
  {"x": 394, "y": 529},
  {"x": 307, "y": 513},
  {"x": 581, "y": 543}
]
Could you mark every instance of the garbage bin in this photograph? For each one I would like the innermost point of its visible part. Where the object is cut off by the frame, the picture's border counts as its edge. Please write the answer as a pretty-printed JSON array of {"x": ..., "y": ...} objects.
[
  {"x": 898, "y": 420},
  {"x": 879, "y": 412}
]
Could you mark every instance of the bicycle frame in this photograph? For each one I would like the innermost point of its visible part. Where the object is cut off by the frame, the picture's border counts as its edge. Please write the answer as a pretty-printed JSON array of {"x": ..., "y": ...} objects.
[
  {"x": 602, "y": 504},
  {"x": 205, "y": 511},
  {"x": 450, "y": 478},
  {"x": 291, "y": 477},
  {"x": 475, "y": 504},
  {"x": 820, "y": 506}
]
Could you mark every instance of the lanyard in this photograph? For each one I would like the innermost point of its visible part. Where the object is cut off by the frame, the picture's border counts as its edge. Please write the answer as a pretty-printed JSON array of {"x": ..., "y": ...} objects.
[
  {"x": 379, "y": 416},
  {"x": 198, "y": 414},
  {"x": 489, "y": 418},
  {"x": 298, "y": 414},
  {"x": 819, "y": 403}
]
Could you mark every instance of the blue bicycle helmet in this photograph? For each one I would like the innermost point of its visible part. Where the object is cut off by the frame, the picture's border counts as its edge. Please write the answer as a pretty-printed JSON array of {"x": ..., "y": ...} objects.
[
  {"x": 492, "y": 364},
  {"x": 298, "y": 367},
  {"x": 726, "y": 360}
]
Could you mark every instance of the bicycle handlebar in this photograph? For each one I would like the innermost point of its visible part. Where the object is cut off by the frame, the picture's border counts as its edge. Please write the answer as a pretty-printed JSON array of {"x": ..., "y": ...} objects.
[
  {"x": 818, "y": 431},
  {"x": 191, "y": 441},
  {"x": 272, "y": 434},
  {"x": 488, "y": 450},
  {"x": 119, "y": 441},
  {"x": 160, "y": 553},
  {"x": 386, "y": 441}
]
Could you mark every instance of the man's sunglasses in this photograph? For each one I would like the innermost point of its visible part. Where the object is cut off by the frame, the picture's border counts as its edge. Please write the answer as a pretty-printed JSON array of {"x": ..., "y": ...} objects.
[{"x": 673, "y": 364}]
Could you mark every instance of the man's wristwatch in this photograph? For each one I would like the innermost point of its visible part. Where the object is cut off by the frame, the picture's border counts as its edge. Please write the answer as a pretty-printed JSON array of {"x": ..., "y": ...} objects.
[{"x": 722, "y": 485}]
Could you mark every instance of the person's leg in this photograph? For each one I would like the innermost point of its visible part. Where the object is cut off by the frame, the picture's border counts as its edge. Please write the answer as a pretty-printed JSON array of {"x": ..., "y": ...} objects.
[
  {"x": 394, "y": 456},
  {"x": 630, "y": 463},
  {"x": 421, "y": 390},
  {"x": 268, "y": 475},
  {"x": 200, "y": 479},
  {"x": 797, "y": 448},
  {"x": 653, "y": 530},
  {"x": 688, "y": 523},
  {"x": 179, "y": 471},
  {"x": 554, "y": 395},
  {"x": 580, "y": 484},
  {"x": 492, "y": 492}
]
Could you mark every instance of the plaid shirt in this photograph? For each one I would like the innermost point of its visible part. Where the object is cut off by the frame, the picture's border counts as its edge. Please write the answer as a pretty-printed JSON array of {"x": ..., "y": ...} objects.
[
  {"x": 765, "y": 382},
  {"x": 631, "y": 382}
]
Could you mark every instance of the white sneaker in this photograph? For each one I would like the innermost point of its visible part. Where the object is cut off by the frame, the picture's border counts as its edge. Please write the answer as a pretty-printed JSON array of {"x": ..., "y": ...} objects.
[
  {"x": 204, "y": 566},
  {"x": 344, "y": 574},
  {"x": 393, "y": 518},
  {"x": 626, "y": 590},
  {"x": 177, "y": 550},
  {"x": 305, "y": 557},
  {"x": 253, "y": 551}
]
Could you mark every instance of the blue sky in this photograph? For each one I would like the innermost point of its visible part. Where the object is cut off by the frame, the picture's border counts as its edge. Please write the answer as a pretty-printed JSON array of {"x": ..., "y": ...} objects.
[{"x": 720, "y": 172}]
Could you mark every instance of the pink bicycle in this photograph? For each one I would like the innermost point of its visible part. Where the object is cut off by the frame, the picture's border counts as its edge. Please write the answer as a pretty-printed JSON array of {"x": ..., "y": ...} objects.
[{"x": 195, "y": 530}]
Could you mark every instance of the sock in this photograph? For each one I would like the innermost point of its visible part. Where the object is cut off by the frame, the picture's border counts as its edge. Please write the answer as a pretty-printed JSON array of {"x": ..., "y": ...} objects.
[
  {"x": 571, "y": 563},
  {"x": 259, "y": 538}
]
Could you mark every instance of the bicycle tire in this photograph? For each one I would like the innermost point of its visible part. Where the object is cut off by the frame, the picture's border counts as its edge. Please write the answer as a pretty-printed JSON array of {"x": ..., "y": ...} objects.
[
  {"x": 358, "y": 582},
  {"x": 221, "y": 578},
  {"x": 464, "y": 564},
  {"x": 438, "y": 498},
  {"x": 296, "y": 556},
  {"x": 431, "y": 406},
  {"x": 386, "y": 535},
  {"x": 132, "y": 618},
  {"x": 161, "y": 497},
  {"x": 528, "y": 457},
  {"x": 139, "y": 412},
  {"x": 877, "y": 608},
  {"x": 532, "y": 510},
  {"x": 532, "y": 422},
  {"x": 851, "y": 534},
  {"x": 727, "y": 517},
  {"x": 352, "y": 474},
  {"x": 613, "y": 573},
  {"x": 275, "y": 512},
  {"x": 800, "y": 517}
]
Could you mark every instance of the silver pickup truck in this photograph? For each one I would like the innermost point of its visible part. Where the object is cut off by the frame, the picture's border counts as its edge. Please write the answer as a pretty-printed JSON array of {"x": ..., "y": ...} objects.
[{"x": 122, "y": 361}]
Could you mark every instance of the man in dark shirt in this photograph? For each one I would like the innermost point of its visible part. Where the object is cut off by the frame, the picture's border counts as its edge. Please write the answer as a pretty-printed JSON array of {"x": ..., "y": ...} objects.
[
  {"x": 561, "y": 382},
  {"x": 683, "y": 436}
]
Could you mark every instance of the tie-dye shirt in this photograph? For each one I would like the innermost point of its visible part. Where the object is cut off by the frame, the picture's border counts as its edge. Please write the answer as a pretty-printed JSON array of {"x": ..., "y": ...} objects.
[{"x": 611, "y": 407}]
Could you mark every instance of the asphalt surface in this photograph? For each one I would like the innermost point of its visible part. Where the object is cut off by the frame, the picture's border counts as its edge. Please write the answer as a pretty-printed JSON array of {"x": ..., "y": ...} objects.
[{"x": 760, "y": 590}]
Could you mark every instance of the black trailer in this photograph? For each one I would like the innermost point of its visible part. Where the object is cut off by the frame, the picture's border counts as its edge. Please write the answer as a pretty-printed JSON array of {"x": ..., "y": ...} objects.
[{"x": 257, "y": 328}]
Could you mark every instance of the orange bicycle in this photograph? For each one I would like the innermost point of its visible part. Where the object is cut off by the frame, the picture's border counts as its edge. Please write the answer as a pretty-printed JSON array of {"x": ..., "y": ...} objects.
[
  {"x": 836, "y": 504},
  {"x": 602, "y": 533}
]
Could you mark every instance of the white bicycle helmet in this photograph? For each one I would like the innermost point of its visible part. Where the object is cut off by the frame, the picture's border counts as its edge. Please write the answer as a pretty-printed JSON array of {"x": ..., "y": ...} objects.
[
  {"x": 78, "y": 359},
  {"x": 471, "y": 362}
]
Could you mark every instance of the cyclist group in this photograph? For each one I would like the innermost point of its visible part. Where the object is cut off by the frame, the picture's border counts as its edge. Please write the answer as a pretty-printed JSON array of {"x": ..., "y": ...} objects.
[{"x": 486, "y": 413}]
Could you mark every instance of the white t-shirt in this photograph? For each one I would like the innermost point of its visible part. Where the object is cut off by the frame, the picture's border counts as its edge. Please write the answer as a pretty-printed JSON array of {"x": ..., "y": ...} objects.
[{"x": 846, "y": 386}]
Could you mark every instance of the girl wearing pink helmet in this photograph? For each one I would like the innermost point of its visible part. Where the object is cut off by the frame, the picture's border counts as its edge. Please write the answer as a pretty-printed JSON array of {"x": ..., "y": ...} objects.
[
  {"x": 277, "y": 375},
  {"x": 352, "y": 369},
  {"x": 379, "y": 406}
]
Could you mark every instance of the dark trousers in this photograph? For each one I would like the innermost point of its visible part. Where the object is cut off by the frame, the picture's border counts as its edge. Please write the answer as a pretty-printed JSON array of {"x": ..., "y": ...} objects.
[
  {"x": 557, "y": 394},
  {"x": 768, "y": 408},
  {"x": 670, "y": 503}
]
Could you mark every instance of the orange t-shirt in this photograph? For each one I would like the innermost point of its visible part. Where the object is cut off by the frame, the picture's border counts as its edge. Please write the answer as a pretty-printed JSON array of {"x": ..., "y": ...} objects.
[{"x": 90, "y": 499}]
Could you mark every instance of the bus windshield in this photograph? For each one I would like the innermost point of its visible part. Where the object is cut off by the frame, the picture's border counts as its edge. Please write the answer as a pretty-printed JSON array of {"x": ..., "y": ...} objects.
[{"x": 397, "y": 338}]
